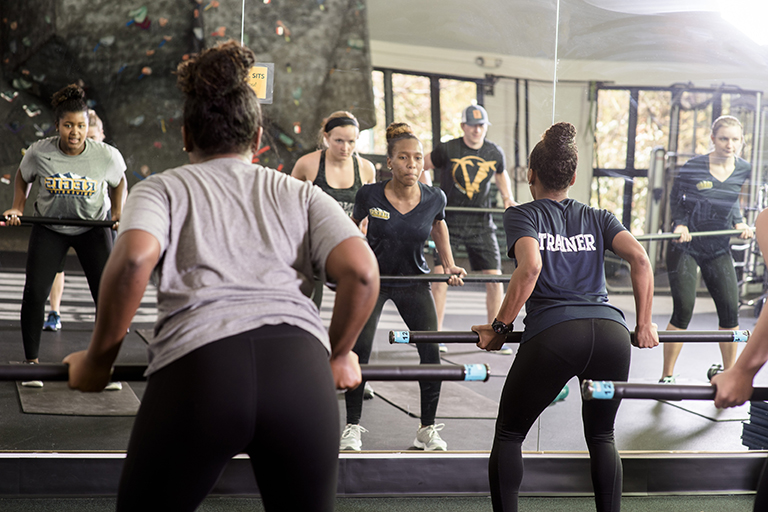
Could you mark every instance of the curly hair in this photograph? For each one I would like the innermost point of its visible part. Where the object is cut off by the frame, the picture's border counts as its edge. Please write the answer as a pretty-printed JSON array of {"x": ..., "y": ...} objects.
[
  {"x": 221, "y": 111},
  {"x": 555, "y": 156},
  {"x": 69, "y": 99},
  {"x": 397, "y": 132}
]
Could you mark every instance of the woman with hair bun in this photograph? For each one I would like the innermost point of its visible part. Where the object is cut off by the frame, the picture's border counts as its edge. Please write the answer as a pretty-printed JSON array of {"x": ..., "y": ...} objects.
[
  {"x": 240, "y": 357},
  {"x": 76, "y": 174},
  {"x": 570, "y": 329},
  {"x": 336, "y": 167},
  {"x": 705, "y": 197},
  {"x": 402, "y": 213}
]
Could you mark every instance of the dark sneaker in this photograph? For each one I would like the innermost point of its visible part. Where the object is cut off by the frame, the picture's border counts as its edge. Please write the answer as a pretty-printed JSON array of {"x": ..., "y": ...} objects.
[
  {"x": 714, "y": 370},
  {"x": 53, "y": 323}
]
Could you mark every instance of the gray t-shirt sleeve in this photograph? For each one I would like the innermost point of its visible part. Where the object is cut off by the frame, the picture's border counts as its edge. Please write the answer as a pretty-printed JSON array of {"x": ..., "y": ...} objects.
[
  {"x": 147, "y": 209},
  {"x": 116, "y": 168}
]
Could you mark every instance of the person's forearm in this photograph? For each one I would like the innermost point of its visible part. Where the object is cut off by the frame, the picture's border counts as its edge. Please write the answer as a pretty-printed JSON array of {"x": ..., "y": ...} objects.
[
  {"x": 116, "y": 196},
  {"x": 356, "y": 295},
  {"x": 641, "y": 275},
  {"x": 443, "y": 243},
  {"x": 520, "y": 287},
  {"x": 505, "y": 188},
  {"x": 20, "y": 191},
  {"x": 123, "y": 283}
]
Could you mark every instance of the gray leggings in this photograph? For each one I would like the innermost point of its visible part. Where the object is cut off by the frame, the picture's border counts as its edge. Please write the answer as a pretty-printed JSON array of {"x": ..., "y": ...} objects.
[{"x": 720, "y": 278}]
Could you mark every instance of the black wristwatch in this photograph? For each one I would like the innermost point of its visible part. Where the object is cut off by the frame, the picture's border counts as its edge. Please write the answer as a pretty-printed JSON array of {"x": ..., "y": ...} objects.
[{"x": 500, "y": 327}]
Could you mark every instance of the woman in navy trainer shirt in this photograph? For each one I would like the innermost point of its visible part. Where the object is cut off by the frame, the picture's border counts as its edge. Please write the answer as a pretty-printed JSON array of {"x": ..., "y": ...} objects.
[
  {"x": 402, "y": 214},
  {"x": 570, "y": 329}
]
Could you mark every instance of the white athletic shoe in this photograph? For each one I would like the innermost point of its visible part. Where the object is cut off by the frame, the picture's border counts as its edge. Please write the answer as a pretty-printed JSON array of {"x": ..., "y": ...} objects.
[
  {"x": 368, "y": 392},
  {"x": 428, "y": 439},
  {"x": 505, "y": 350},
  {"x": 442, "y": 347},
  {"x": 350, "y": 438},
  {"x": 114, "y": 386},
  {"x": 32, "y": 384}
]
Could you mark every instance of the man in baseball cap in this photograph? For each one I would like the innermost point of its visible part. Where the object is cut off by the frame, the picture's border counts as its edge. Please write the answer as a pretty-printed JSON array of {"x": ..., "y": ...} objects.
[{"x": 466, "y": 166}]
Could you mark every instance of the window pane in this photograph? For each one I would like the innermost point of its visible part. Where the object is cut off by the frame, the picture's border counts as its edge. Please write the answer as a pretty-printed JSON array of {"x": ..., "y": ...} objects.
[
  {"x": 455, "y": 95},
  {"x": 412, "y": 105},
  {"x": 373, "y": 140},
  {"x": 695, "y": 120},
  {"x": 639, "y": 206},
  {"x": 611, "y": 129},
  {"x": 652, "y": 125},
  {"x": 608, "y": 194}
]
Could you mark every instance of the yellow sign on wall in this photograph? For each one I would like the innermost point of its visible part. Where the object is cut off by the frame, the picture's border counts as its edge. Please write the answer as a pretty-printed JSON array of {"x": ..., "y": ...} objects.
[{"x": 261, "y": 79}]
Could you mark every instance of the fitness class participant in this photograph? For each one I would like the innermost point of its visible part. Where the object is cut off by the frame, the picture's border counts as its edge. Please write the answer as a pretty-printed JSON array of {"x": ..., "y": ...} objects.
[
  {"x": 402, "y": 214},
  {"x": 75, "y": 175},
  {"x": 705, "y": 197},
  {"x": 466, "y": 166},
  {"x": 336, "y": 168},
  {"x": 570, "y": 329},
  {"x": 240, "y": 357},
  {"x": 53, "y": 322},
  {"x": 734, "y": 385}
]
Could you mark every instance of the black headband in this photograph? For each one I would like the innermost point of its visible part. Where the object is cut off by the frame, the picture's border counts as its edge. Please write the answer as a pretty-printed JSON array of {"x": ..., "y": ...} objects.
[{"x": 340, "y": 121}]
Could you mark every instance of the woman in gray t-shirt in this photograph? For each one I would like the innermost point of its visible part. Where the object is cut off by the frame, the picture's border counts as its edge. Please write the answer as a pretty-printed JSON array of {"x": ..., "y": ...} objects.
[{"x": 240, "y": 359}]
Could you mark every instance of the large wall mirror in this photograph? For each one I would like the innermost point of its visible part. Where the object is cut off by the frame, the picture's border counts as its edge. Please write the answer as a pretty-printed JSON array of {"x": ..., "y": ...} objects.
[{"x": 631, "y": 79}]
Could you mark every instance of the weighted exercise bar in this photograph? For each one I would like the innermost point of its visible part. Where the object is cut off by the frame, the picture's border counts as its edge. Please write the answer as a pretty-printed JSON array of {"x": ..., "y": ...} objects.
[
  {"x": 695, "y": 234},
  {"x": 443, "y": 278},
  {"x": 609, "y": 390},
  {"x": 66, "y": 222},
  {"x": 135, "y": 372},
  {"x": 738, "y": 336}
]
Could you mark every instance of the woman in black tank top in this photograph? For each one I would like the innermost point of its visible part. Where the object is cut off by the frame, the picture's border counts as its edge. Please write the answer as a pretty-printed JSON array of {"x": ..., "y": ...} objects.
[{"x": 336, "y": 168}]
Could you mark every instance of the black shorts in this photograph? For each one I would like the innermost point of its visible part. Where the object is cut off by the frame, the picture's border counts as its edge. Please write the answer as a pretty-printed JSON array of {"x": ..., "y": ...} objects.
[{"x": 481, "y": 245}]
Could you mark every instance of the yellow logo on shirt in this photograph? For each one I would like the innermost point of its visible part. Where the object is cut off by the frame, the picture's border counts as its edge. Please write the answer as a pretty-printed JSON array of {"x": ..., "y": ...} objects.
[
  {"x": 379, "y": 213},
  {"x": 461, "y": 167},
  {"x": 70, "y": 185},
  {"x": 703, "y": 185}
]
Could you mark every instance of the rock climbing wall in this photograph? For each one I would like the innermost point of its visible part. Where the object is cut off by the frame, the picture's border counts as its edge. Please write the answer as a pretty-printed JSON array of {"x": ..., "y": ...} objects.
[{"x": 125, "y": 54}]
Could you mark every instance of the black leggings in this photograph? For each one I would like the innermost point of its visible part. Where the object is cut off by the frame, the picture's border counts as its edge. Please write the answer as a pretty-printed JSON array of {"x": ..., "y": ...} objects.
[
  {"x": 47, "y": 249},
  {"x": 417, "y": 308},
  {"x": 590, "y": 349},
  {"x": 269, "y": 393},
  {"x": 719, "y": 276}
]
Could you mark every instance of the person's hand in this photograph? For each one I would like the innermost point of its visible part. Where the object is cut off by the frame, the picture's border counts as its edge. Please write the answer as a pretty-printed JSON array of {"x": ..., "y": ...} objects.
[
  {"x": 734, "y": 387},
  {"x": 84, "y": 375},
  {"x": 489, "y": 340},
  {"x": 685, "y": 235},
  {"x": 457, "y": 274},
  {"x": 747, "y": 231},
  {"x": 646, "y": 336},
  {"x": 115, "y": 221},
  {"x": 346, "y": 371},
  {"x": 11, "y": 217}
]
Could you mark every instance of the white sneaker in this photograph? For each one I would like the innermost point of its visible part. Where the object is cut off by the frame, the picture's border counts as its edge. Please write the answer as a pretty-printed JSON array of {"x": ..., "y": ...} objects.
[
  {"x": 32, "y": 384},
  {"x": 505, "y": 350},
  {"x": 428, "y": 439},
  {"x": 368, "y": 392},
  {"x": 442, "y": 347},
  {"x": 350, "y": 438},
  {"x": 114, "y": 386}
]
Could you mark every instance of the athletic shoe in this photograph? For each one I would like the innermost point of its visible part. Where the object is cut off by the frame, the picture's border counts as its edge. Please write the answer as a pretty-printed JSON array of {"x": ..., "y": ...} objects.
[
  {"x": 428, "y": 439},
  {"x": 505, "y": 350},
  {"x": 442, "y": 347},
  {"x": 368, "y": 392},
  {"x": 667, "y": 380},
  {"x": 114, "y": 386},
  {"x": 350, "y": 438},
  {"x": 714, "y": 370},
  {"x": 32, "y": 383},
  {"x": 53, "y": 323},
  {"x": 561, "y": 395}
]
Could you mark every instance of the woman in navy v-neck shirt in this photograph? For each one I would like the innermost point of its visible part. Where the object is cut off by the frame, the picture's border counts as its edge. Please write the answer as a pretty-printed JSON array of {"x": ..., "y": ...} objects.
[
  {"x": 402, "y": 213},
  {"x": 705, "y": 197}
]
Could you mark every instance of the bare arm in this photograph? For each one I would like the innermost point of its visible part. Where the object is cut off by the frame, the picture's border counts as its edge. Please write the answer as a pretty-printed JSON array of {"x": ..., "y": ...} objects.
[
  {"x": 305, "y": 168},
  {"x": 117, "y": 196},
  {"x": 626, "y": 247},
  {"x": 367, "y": 171},
  {"x": 505, "y": 188},
  {"x": 443, "y": 245},
  {"x": 521, "y": 285},
  {"x": 734, "y": 386},
  {"x": 123, "y": 284},
  {"x": 20, "y": 192},
  {"x": 353, "y": 266}
]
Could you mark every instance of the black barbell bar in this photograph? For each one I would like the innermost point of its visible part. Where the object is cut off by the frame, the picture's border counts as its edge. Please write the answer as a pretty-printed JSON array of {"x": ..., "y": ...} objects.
[
  {"x": 54, "y": 221},
  {"x": 135, "y": 372},
  {"x": 443, "y": 278},
  {"x": 736, "y": 336},
  {"x": 609, "y": 390}
]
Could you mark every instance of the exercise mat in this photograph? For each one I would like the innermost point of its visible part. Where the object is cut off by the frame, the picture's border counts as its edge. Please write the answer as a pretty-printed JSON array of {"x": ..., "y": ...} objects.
[
  {"x": 456, "y": 401},
  {"x": 58, "y": 398}
]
